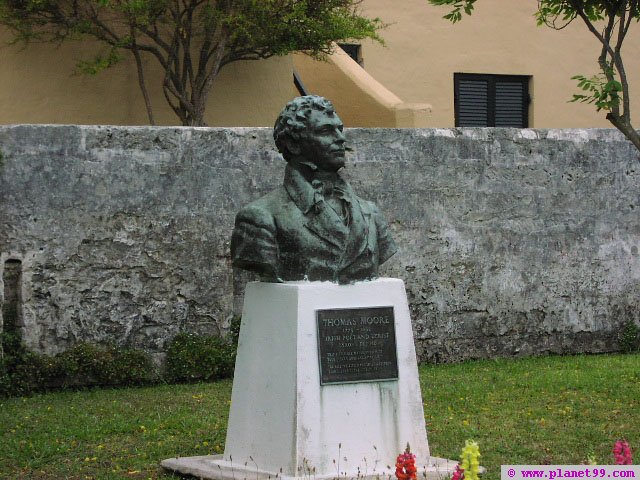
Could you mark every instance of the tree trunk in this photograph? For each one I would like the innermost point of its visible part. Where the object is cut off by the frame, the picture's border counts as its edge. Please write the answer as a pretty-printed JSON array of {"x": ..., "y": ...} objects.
[
  {"x": 198, "y": 119},
  {"x": 626, "y": 128}
]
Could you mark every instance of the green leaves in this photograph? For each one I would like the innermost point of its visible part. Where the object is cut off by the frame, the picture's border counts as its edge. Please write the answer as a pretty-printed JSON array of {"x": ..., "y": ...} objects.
[
  {"x": 282, "y": 26},
  {"x": 550, "y": 11},
  {"x": 199, "y": 358},
  {"x": 605, "y": 94},
  {"x": 458, "y": 7},
  {"x": 99, "y": 62}
]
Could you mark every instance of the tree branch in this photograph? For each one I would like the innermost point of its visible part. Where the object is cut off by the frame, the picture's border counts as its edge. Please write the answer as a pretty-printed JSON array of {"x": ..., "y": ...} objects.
[
  {"x": 141, "y": 81},
  {"x": 627, "y": 23},
  {"x": 577, "y": 6},
  {"x": 185, "y": 39},
  {"x": 155, "y": 36},
  {"x": 184, "y": 101}
]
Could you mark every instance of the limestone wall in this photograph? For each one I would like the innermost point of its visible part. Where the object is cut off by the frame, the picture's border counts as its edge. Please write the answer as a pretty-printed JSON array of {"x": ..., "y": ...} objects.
[{"x": 512, "y": 241}]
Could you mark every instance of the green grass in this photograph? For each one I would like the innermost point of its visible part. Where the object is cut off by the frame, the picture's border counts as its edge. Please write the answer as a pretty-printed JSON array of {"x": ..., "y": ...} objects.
[
  {"x": 111, "y": 434},
  {"x": 545, "y": 410},
  {"x": 529, "y": 411}
]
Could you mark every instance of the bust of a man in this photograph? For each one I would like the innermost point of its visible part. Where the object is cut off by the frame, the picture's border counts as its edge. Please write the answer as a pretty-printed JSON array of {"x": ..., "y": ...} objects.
[{"x": 313, "y": 227}]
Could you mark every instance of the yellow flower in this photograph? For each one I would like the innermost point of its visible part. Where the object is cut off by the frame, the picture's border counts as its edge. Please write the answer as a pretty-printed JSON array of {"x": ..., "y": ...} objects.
[{"x": 469, "y": 460}]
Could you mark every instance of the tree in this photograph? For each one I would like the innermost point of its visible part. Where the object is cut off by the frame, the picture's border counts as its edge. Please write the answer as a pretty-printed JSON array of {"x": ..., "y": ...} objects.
[
  {"x": 192, "y": 40},
  {"x": 609, "y": 21}
]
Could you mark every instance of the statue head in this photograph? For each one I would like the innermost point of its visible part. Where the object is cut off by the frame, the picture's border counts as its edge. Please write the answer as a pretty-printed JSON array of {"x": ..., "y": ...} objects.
[{"x": 308, "y": 131}]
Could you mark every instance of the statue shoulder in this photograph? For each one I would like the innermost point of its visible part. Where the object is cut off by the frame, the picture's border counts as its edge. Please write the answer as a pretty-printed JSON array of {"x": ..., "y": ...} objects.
[
  {"x": 261, "y": 211},
  {"x": 386, "y": 245},
  {"x": 370, "y": 207},
  {"x": 253, "y": 243}
]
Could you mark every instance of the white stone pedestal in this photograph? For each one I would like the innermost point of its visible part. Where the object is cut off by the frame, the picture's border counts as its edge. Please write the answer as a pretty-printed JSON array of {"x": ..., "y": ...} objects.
[{"x": 284, "y": 422}]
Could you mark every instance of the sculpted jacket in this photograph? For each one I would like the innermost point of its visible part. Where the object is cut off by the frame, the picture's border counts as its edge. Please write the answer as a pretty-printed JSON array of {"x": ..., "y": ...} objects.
[{"x": 293, "y": 234}]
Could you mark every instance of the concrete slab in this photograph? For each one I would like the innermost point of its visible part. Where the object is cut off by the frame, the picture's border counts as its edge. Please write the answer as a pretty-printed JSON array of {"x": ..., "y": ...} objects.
[{"x": 213, "y": 467}]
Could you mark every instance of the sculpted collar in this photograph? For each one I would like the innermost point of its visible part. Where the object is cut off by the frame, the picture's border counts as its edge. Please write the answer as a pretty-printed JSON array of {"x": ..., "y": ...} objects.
[{"x": 309, "y": 195}]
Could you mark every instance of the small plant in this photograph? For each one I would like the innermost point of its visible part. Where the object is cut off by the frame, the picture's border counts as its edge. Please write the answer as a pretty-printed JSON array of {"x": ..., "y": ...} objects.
[
  {"x": 458, "y": 474},
  {"x": 406, "y": 465},
  {"x": 88, "y": 365},
  {"x": 629, "y": 337},
  {"x": 469, "y": 460},
  {"x": 234, "y": 330},
  {"x": 23, "y": 372},
  {"x": 192, "y": 358},
  {"x": 622, "y": 453}
]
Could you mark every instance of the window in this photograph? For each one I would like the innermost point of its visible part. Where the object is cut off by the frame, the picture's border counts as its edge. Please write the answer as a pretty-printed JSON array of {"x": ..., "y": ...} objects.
[
  {"x": 491, "y": 100},
  {"x": 11, "y": 311},
  {"x": 354, "y": 50}
]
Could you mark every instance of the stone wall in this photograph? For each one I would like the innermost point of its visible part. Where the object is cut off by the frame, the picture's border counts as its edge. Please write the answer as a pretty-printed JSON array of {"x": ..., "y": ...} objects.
[{"x": 513, "y": 242}]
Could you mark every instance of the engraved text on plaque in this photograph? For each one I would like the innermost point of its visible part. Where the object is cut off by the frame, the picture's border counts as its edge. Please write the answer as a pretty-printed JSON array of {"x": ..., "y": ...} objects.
[{"x": 357, "y": 345}]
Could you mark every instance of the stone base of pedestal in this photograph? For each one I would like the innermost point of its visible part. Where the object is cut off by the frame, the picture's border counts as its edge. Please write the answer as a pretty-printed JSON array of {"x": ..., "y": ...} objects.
[
  {"x": 326, "y": 385},
  {"x": 213, "y": 467}
]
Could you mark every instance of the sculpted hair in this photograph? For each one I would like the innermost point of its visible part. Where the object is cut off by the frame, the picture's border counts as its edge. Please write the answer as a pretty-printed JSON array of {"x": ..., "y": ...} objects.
[{"x": 293, "y": 120}]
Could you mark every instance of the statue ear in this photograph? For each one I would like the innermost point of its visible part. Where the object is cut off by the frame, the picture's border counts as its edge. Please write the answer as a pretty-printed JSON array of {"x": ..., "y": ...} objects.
[{"x": 293, "y": 146}]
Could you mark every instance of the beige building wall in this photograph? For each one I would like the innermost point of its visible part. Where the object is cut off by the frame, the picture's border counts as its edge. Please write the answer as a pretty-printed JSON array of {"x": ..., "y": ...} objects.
[
  {"x": 415, "y": 69},
  {"x": 38, "y": 85},
  {"x": 501, "y": 37},
  {"x": 359, "y": 98}
]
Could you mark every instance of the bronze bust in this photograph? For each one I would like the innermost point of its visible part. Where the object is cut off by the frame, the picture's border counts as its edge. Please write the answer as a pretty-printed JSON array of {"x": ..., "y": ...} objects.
[{"x": 313, "y": 227}]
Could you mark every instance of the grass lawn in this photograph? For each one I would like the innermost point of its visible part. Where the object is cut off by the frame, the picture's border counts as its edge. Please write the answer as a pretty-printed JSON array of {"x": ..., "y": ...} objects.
[{"x": 529, "y": 411}]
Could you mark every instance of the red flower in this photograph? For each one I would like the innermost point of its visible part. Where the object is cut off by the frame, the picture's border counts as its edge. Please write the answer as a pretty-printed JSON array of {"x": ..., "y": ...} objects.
[
  {"x": 622, "y": 453},
  {"x": 406, "y": 465},
  {"x": 458, "y": 474}
]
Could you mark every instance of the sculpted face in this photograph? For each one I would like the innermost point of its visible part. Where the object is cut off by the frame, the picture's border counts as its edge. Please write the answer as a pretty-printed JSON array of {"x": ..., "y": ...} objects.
[{"x": 323, "y": 143}]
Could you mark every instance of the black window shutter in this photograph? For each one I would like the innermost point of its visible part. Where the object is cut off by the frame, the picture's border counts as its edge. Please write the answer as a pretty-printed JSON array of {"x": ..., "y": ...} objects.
[
  {"x": 510, "y": 109},
  {"x": 483, "y": 100},
  {"x": 473, "y": 97}
]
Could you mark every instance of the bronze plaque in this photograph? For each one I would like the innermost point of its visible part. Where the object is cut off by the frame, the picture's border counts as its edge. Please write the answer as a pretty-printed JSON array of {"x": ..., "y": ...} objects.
[{"x": 357, "y": 345}]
